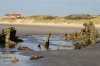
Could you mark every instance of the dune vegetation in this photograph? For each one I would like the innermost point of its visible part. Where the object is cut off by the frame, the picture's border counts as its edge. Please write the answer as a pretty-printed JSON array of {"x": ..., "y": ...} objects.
[{"x": 74, "y": 18}]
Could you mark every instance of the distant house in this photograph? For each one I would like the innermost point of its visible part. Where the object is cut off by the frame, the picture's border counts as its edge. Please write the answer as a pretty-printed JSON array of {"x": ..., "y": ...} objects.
[{"x": 12, "y": 15}]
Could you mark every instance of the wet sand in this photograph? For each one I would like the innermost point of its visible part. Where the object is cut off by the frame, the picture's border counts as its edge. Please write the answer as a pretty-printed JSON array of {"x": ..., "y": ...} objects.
[
  {"x": 37, "y": 29},
  {"x": 23, "y": 30},
  {"x": 85, "y": 57},
  {"x": 89, "y": 56}
]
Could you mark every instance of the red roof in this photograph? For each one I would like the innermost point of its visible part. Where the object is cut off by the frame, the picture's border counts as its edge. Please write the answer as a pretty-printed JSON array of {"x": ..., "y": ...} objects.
[{"x": 12, "y": 14}]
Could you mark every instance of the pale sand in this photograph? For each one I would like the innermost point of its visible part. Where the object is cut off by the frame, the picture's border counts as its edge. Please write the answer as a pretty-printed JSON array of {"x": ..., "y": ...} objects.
[
  {"x": 48, "y": 24},
  {"x": 44, "y": 28}
]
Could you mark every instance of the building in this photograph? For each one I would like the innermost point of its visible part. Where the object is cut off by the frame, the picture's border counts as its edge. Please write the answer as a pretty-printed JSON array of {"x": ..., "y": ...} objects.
[{"x": 12, "y": 15}]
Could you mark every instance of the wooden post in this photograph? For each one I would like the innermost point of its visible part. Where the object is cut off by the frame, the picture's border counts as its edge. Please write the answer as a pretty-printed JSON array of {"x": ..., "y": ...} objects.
[
  {"x": 47, "y": 41},
  {"x": 7, "y": 32}
]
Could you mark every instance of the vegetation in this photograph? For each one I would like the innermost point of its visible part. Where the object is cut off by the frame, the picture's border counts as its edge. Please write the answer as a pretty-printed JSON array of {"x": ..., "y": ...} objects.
[
  {"x": 7, "y": 20},
  {"x": 74, "y": 18},
  {"x": 79, "y": 16}
]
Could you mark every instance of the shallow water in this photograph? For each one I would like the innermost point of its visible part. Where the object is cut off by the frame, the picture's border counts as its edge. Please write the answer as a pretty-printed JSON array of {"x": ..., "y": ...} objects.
[
  {"x": 32, "y": 42},
  {"x": 56, "y": 43},
  {"x": 5, "y": 59}
]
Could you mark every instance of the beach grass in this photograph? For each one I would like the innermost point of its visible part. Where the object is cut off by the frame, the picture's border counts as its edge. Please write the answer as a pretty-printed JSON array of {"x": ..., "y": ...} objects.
[{"x": 70, "y": 19}]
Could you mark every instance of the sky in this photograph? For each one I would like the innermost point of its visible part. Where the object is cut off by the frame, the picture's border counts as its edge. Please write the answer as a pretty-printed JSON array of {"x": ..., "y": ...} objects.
[{"x": 50, "y": 7}]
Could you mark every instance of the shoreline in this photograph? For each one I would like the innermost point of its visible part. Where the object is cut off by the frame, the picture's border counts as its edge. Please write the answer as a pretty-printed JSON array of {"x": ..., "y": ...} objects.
[
  {"x": 49, "y": 24},
  {"x": 43, "y": 28},
  {"x": 82, "y": 57},
  {"x": 73, "y": 57}
]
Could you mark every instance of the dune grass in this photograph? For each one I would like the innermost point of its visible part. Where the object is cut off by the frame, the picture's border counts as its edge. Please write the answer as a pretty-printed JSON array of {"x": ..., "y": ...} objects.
[{"x": 75, "y": 18}]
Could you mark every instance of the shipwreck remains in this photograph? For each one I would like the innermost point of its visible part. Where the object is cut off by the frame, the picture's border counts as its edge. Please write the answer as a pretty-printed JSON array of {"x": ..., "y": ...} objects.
[
  {"x": 87, "y": 36},
  {"x": 8, "y": 38},
  {"x": 46, "y": 43}
]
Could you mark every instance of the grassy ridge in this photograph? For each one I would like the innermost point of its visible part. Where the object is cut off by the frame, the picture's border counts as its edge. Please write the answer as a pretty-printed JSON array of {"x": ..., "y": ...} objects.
[{"x": 74, "y": 18}]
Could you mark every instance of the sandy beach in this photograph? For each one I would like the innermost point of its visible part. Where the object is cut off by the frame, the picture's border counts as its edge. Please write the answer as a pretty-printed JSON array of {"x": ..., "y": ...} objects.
[
  {"x": 31, "y": 29},
  {"x": 85, "y": 57},
  {"x": 89, "y": 56},
  {"x": 44, "y": 28},
  {"x": 47, "y": 24},
  {"x": 50, "y": 33}
]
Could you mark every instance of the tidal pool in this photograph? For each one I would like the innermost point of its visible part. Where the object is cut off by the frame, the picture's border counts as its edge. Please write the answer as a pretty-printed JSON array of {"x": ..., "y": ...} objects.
[{"x": 56, "y": 43}]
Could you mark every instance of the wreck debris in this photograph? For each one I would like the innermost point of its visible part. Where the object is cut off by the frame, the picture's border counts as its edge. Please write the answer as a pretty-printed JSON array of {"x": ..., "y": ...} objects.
[
  {"x": 87, "y": 36},
  {"x": 34, "y": 57},
  {"x": 8, "y": 38}
]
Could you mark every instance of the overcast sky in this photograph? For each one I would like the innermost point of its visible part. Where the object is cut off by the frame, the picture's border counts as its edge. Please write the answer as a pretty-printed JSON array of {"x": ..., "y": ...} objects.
[{"x": 50, "y": 7}]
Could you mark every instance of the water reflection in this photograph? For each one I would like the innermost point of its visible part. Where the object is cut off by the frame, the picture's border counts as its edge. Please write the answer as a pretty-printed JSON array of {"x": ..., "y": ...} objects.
[
  {"x": 36, "y": 42},
  {"x": 32, "y": 42},
  {"x": 5, "y": 59}
]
